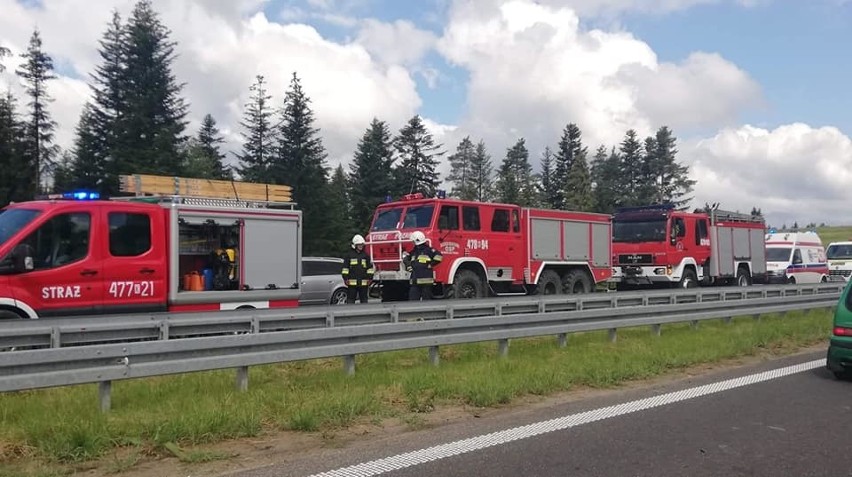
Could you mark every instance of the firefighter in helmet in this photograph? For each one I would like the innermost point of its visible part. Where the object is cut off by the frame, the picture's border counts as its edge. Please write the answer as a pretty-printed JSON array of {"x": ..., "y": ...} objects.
[
  {"x": 357, "y": 271},
  {"x": 420, "y": 262}
]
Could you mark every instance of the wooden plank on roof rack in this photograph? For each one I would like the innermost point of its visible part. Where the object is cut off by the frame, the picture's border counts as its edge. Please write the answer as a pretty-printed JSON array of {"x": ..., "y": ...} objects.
[{"x": 143, "y": 184}]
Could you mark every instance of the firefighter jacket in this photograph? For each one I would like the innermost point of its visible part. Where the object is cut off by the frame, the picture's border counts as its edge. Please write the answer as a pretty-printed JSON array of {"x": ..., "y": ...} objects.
[
  {"x": 357, "y": 269},
  {"x": 420, "y": 262}
]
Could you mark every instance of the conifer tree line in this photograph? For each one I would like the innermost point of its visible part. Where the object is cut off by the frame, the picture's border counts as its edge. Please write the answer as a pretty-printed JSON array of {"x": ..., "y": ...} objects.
[{"x": 136, "y": 122}]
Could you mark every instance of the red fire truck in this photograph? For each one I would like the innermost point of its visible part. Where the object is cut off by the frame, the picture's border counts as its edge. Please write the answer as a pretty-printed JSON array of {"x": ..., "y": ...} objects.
[
  {"x": 490, "y": 249},
  {"x": 74, "y": 254},
  {"x": 659, "y": 245}
]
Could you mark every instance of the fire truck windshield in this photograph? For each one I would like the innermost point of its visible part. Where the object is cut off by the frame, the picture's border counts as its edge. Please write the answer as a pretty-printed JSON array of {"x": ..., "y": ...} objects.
[
  {"x": 13, "y": 220},
  {"x": 387, "y": 219},
  {"x": 639, "y": 231}
]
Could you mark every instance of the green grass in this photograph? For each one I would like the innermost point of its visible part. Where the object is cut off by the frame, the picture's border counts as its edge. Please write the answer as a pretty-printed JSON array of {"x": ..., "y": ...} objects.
[
  {"x": 63, "y": 425},
  {"x": 834, "y": 234}
]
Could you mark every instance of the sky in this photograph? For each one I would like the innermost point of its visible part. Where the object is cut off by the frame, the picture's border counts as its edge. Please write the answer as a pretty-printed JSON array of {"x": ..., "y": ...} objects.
[{"x": 756, "y": 91}]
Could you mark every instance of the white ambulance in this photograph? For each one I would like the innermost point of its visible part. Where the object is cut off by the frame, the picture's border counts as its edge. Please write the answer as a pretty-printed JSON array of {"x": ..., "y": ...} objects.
[
  {"x": 795, "y": 257},
  {"x": 839, "y": 256}
]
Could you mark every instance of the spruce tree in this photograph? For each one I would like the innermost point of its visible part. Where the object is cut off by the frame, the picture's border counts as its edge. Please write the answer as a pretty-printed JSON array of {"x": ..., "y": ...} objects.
[
  {"x": 549, "y": 185},
  {"x": 630, "y": 173},
  {"x": 570, "y": 146},
  {"x": 515, "y": 184},
  {"x": 371, "y": 173},
  {"x": 578, "y": 186},
  {"x": 36, "y": 71},
  {"x": 647, "y": 191},
  {"x": 151, "y": 130},
  {"x": 419, "y": 155},
  {"x": 606, "y": 177},
  {"x": 89, "y": 161},
  {"x": 300, "y": 162},
  {"x": 12, "y": 155},
  {"x": 259, "y": 137},
  {"x": 671, "y": 179},
  {"x": 100, "y": 129},
  {"x": 483, "y": 174},
  {"x": 461, "y": 170},
  {"x": 204, "y": 159},
  {"x": 338, "y": 216}
]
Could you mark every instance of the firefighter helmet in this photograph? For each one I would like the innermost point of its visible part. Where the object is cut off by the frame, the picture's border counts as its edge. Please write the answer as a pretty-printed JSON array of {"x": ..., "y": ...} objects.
[
  {"x": 418, "y": 238},
  {"x": 358, "y": 240}
]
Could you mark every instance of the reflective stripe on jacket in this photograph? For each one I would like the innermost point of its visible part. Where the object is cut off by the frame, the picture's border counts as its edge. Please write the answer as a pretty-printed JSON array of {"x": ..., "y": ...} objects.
[{"x": 420, "y": 262}]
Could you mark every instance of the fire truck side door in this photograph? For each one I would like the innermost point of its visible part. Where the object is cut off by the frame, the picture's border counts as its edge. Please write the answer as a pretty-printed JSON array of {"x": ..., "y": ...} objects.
[
  {"x": 135, "y": 261},
  {"x": 678, "y": 241},
  {"x": 505, "y": 253},
  {"x": 66, "y": 273}
]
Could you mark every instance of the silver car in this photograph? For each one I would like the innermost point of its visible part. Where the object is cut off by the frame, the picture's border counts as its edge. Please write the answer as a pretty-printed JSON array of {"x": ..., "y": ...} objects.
[{"x": 322, "y": 282}]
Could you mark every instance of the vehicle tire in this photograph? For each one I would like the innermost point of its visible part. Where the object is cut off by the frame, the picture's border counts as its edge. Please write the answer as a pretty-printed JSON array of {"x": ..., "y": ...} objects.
[
  {"x": 466, "y": 285},
  {"x": 10, "y": 315},
  {"x": 824, "y": 279},
  {"x": 339, "y": 296},
  {"x": 791, "y": 281},
  {"x": 688, "y": 280},
  {"x": 842, "y": 375},
  {"x": 743, "y": 278},
  {"x": 549, "y": 283},
  {"x": 575, "y": 282}
]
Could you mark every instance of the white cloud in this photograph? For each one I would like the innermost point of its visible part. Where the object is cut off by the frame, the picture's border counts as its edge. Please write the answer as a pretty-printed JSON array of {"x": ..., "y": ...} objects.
[
  {"x": 615, "y": 7},
  {"x": 400, "y": 42},
  {"x": 533, "y": 69},
  {"x": 793, "y": 173}
]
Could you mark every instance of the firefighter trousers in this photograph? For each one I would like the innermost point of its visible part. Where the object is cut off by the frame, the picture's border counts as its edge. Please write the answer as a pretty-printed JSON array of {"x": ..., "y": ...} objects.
[
  {"x": 356, "y": 292},
  {"x": 420, "y": 292}
]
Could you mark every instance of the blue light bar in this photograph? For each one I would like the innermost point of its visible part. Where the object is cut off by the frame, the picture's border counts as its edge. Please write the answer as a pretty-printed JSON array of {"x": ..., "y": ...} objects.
[{"x": 81, "y": 195}]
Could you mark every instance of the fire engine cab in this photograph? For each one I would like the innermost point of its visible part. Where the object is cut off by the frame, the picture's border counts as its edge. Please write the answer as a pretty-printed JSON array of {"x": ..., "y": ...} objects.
[
  {"x": 659, "y": 245},
  {"x": 490, "y": 249},
  {"x": 178, "y": 245}
]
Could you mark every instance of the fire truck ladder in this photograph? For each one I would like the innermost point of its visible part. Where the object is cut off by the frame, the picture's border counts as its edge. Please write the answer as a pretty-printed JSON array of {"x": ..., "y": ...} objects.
[
  {"x": 207, "y": 192},
  {"x": 718, "y": 215}
]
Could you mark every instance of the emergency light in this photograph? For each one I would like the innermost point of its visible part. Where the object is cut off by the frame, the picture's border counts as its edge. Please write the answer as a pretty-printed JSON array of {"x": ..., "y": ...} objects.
[{"x": 76, "y": 195}]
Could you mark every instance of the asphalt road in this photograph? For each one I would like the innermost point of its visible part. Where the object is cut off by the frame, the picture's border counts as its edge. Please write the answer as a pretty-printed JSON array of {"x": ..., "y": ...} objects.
[{"x": 798, "y": 424}]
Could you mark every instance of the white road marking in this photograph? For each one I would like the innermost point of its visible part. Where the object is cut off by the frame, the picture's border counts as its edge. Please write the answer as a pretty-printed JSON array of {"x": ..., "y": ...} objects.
[{"x": 430, "y": 454}]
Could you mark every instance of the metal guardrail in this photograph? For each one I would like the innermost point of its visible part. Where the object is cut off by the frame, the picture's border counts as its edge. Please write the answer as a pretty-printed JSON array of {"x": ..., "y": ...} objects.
[{"x": 253, "y": 338}]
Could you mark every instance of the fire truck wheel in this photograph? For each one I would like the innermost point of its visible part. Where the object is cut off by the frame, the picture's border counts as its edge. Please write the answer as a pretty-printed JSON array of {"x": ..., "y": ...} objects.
[
  {"x": 549, "y": 283},
  {"x": 743, "y": 279},
  {"x": 576, "y": 281},
  {"x": 467, "y": 284},
  {"x": 688, "y": 280},
  {"x": 9, "y": 315}
]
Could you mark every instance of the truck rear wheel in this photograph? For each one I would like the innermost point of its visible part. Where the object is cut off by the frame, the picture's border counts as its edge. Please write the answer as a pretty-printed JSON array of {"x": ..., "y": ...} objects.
[
  {"x": 743, "y": 277},
  {"x": 576, "y": 281},
  {"x": 549, "y": 283},
  {"x": 467, "y": 284}
]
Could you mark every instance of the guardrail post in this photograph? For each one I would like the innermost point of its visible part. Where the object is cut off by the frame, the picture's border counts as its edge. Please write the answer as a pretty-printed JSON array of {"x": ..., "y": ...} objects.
[
  {"x": 613, "y": 335},
  {"x": 503, "y": 348},
  {"x": 756, "y": 317},
  {"x": 727, "y": 320},
  {"x": 242, "y": 379},
  {"x": 434, "y": 356},
  {"x": 562, "y": 340},
  {"x": 657, "y": 329},
  {"x": 329, "y": 319},
  {"x": 164, "y": 330},
  {"x": 55, "y": 338},
  {"x": 693, "y": 324},
  {"x": 105, "y": 395},
  {"x": 349, "y": 364}
]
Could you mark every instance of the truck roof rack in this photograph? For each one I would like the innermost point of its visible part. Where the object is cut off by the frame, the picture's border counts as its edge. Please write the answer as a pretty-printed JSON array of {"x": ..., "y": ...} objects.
[
  {"x": 718, "y": 215},
  {"x": 646, "y": 208},
  {"x": 205, "y": 192}
]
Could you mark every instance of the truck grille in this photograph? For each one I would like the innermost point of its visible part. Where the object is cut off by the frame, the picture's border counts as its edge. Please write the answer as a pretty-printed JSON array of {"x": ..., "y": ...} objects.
[
  {"x": 840, "y": 273},
  {"x": 635, "y": 259}
]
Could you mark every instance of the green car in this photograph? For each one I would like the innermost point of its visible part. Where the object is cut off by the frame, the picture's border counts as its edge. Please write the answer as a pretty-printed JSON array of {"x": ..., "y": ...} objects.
[{"x": 839, "y": 359}]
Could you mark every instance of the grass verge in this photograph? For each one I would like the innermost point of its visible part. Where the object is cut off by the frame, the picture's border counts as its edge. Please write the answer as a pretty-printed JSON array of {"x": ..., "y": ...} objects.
[{"x": 62, "y": 429}]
